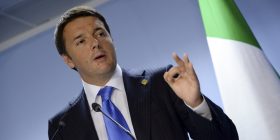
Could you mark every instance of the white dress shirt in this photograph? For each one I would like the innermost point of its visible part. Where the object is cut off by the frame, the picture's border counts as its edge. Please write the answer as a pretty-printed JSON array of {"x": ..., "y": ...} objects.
[{"x": 120, "y": 100}]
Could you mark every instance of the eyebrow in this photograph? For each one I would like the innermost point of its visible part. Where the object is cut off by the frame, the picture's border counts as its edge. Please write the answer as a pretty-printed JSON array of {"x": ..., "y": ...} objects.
[
  {"x": 97, "y": 29},
  {"x": 94, "y": 31},
  {"x": 77, "y": 37}
]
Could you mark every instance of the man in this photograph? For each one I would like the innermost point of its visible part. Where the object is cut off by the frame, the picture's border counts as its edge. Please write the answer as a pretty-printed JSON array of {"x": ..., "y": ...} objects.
[{"x": 163, "y": 104}]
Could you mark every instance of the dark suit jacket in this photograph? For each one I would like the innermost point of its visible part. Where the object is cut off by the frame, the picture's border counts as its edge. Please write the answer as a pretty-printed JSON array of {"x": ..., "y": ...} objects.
[{"x": 156, "y": 114}]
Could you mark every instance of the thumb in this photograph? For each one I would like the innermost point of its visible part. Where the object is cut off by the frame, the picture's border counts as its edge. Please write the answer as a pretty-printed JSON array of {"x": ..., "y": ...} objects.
[{"x": 167, "y": 78}]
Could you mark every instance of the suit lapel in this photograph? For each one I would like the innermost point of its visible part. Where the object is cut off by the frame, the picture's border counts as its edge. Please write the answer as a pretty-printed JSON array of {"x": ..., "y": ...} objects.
[
  {"x": 80, "y": 122},
  {"x": 139, "y": 103}
]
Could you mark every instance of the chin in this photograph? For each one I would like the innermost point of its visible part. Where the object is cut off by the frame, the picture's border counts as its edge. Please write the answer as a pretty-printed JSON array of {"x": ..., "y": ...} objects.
[{"x": 107, "y": 69}]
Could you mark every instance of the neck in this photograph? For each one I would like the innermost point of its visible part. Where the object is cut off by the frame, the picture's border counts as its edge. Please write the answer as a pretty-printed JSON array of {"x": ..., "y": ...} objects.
[{"x": 98, "y": 80}]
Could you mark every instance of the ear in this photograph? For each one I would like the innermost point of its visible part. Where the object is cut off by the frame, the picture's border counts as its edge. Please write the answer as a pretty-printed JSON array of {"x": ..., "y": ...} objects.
[{"x": 68, "y": 60}]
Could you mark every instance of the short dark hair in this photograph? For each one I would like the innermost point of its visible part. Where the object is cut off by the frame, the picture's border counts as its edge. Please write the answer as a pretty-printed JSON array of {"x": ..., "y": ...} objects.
[{"x": 68, "y": 16}]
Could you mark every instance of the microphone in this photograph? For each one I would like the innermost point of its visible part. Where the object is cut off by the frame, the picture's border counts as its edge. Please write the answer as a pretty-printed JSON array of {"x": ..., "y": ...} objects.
[
  {"x": 61, "y": 124},
  {"x": 97, "y": 108}
]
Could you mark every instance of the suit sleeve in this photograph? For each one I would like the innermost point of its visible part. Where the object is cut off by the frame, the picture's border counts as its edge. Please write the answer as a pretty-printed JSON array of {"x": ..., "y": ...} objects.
[
  {"x": 200, "y": 128},
  {"x": 50, "y": 129}
]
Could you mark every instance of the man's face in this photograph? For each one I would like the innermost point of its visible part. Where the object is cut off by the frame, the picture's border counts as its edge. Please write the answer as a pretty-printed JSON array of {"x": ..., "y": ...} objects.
[{"x": 90, "y": 48}]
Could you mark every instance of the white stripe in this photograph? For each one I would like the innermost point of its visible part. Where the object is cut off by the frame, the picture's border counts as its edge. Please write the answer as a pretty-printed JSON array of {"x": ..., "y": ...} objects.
[{"x": 249, "y": 87}]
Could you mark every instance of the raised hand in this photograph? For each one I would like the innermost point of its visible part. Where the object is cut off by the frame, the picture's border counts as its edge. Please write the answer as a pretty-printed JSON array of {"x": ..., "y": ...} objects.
[{"x": 183, "y": 81}]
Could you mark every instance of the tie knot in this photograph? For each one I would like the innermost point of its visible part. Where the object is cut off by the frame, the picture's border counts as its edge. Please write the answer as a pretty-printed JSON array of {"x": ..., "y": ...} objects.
[{"x": 106, "y": 92}]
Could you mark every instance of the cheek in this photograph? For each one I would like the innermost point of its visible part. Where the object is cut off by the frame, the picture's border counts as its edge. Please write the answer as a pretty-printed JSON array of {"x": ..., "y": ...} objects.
[
  {"x": 111, "y": 49},
  {"x": 84, "y": 59},
  {"x": 113, "y": 54},
  {"x": 81, "y": 59}
]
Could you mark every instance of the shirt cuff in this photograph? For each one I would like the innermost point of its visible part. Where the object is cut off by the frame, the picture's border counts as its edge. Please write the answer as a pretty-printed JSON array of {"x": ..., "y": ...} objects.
[{"x": 202, "y": 109}]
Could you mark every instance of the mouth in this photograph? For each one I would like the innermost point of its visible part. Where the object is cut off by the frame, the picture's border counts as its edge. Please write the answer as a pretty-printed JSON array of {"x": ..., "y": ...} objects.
[{"x": 100, "y": 56}]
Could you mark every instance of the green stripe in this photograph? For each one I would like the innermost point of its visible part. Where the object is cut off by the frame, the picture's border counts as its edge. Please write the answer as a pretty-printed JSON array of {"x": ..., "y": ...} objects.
[{"x": 222, "y": 19}]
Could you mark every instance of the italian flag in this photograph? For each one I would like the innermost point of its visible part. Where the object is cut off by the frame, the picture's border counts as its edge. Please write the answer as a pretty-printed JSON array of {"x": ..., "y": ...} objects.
[{"x": 249, "y": 86}]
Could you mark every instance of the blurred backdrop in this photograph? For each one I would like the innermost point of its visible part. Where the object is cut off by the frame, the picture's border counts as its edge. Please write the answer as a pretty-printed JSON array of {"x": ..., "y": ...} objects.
[{"x": 35, "y": 83}]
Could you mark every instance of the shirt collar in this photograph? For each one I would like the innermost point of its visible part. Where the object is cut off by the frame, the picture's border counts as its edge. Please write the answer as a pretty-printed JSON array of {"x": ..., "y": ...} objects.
[{"x": 116, "y": 81}]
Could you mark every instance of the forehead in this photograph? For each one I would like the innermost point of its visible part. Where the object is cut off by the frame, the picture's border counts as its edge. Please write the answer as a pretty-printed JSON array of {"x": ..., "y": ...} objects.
[
  {"x": 81, "y": 25},
  {"x": 84, "y": 21}
]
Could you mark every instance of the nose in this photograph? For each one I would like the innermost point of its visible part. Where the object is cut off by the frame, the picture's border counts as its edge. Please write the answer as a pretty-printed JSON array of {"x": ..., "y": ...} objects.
[{"x": 95, "y": 43}]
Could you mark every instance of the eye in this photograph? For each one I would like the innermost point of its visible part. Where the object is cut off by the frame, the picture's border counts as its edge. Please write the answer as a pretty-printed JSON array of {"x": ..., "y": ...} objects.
[
  {"x": 101, "y": 33},
  {"x": 80, "y": 42}
]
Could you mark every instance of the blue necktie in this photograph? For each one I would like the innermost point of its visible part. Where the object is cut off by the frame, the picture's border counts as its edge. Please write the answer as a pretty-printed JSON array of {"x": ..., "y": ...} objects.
[{"x": 114, "y": 132}]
